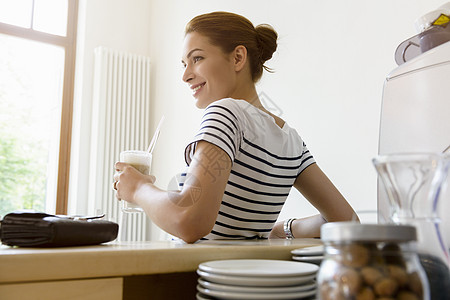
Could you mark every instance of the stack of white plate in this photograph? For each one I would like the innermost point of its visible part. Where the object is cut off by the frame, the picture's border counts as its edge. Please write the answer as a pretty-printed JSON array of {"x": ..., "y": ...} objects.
[
  {"x": 312, "y": 254},
  {"x": 256, "y": 279}
]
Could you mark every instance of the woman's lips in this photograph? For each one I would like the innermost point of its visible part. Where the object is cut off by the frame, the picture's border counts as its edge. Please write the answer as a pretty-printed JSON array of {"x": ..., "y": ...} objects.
[{"x": 196, "y": 88}]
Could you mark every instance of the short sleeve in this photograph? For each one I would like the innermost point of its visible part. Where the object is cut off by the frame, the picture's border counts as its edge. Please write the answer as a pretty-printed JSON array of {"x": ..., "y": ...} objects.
[
  {"x": 220, "y": 127},
  {"x": 307, "y": 159}
]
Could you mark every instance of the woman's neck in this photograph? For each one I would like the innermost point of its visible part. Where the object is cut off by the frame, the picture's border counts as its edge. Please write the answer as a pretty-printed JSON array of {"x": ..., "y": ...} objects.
[{"x": 249, "y": 94}]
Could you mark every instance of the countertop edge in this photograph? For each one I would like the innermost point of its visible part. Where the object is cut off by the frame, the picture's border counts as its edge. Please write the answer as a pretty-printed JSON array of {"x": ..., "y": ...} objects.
[{"x": 96, "y": 262}]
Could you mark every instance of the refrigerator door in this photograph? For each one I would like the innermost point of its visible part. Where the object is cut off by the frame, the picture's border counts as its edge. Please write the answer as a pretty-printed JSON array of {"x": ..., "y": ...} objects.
[{"x": 415, "y": 114}]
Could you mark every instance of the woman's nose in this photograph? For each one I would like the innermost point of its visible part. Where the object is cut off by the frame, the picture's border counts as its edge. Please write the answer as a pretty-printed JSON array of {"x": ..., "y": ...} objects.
[{"x": 187, "y": 74}]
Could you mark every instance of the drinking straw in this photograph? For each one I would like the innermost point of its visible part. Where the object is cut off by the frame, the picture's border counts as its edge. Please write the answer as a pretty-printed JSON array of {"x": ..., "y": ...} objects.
[
  {"x": 446, "y": 149},
  {"x": 155, "y": 136}
]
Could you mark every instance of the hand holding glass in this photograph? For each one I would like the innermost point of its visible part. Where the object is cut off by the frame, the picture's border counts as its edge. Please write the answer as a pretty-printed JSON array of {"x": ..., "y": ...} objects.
[{"x": 141, "y": 161}]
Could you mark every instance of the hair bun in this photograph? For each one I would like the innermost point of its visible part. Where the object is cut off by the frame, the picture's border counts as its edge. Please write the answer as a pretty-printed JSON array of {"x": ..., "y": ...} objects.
[
  {"x": 229, "y": 30},
  {"x": 267, "y": 38}
]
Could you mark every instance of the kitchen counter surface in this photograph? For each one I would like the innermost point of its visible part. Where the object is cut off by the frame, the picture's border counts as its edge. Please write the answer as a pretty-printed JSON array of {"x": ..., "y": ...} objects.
[
  {"x": 132, "y": 259},
  {"x": 29, "y": 264}
]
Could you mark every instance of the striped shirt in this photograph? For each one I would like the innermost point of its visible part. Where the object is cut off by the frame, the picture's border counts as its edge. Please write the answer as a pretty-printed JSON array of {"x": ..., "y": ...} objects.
[{"x": 266, "y": 160}]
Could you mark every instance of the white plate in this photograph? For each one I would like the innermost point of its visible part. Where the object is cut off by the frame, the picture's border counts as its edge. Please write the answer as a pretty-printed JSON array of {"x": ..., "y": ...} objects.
[
  {"x": 309, "y": 259},
  {"x": 315, "y": 250},
  {"x": 254, "y": 296},
  {"x": 258, "y": 267},
  {"x": 252, "y": 289},
  {"x": 200, "y": 296},
  {"x": 256, "y": 281}
]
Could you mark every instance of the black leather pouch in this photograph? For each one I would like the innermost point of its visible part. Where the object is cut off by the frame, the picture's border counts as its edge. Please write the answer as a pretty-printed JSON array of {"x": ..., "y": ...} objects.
[{"x": 35, "y": 229}]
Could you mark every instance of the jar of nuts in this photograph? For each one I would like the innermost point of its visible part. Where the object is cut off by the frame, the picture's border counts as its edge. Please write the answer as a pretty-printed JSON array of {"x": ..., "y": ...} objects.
[{"x": 370, "y": 261}]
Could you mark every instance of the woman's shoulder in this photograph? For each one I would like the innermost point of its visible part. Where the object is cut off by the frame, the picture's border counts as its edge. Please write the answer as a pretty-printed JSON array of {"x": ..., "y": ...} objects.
[
  {"x": 227, "y": 106},
  {"x": 225, "y": 102}
]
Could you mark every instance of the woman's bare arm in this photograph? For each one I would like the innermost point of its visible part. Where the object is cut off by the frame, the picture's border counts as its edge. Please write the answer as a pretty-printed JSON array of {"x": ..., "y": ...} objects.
[
  {"x": 325, "y": 197},
  {"x": 188, "y": 214}
]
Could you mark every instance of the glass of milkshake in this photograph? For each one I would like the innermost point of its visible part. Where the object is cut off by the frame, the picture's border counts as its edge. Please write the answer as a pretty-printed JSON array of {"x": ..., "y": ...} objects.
[{"x": 140, "y": 160}]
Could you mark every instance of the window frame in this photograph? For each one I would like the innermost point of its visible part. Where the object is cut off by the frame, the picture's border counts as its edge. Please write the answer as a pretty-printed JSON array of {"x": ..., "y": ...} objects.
[{"x": 68, "y": 42}]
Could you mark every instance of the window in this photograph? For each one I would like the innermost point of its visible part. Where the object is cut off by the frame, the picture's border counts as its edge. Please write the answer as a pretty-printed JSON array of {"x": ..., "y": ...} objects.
[{"x": 37, "y": 59}]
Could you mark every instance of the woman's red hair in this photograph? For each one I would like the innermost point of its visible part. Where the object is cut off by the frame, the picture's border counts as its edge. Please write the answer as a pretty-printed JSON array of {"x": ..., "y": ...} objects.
[{"x": 228, "y": 30}]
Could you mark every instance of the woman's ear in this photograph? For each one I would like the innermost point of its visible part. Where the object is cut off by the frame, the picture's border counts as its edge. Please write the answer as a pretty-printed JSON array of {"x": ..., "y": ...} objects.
[{"x": 239, "y": 57}]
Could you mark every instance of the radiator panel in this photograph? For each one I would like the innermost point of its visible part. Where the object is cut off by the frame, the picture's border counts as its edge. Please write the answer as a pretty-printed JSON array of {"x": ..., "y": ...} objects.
[{"x": 120, "y": 121}]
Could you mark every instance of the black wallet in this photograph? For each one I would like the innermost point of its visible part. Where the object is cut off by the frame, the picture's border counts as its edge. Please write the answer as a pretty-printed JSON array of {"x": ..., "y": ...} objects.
[{"x": 35, "y": 229}]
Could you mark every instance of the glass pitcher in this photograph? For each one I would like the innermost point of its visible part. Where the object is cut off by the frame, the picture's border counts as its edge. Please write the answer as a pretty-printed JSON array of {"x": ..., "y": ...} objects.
[{"x": 417, "y": 185}]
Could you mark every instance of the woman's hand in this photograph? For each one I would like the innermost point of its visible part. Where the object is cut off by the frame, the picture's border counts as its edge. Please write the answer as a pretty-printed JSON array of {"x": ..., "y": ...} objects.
[
  {"x": 277, "y": 231},
  {"x": 127, "y": 180},
  {"x": 308, "y": 227}
]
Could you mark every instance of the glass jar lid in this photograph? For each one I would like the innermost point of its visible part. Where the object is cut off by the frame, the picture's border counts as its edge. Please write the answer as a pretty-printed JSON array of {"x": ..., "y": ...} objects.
[{"x": 352, "y": 231}]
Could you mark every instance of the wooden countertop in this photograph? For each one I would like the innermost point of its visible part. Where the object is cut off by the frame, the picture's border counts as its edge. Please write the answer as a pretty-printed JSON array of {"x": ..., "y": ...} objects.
[{"x": 137, "y": 258}]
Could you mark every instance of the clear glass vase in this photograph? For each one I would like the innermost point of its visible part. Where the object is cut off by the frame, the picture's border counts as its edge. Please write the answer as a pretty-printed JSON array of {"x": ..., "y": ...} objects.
[{"x": 416, "y": 185}]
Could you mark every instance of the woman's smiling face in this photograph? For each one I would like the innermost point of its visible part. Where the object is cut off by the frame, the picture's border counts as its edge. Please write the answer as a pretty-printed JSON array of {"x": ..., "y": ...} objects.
[{"x": 209, "y": 72}]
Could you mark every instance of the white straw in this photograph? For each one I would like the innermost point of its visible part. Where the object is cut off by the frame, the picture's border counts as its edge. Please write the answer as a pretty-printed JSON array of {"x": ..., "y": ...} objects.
[
  {"x": 155, "y": 136},
  {"x": 446, "y": 149}
]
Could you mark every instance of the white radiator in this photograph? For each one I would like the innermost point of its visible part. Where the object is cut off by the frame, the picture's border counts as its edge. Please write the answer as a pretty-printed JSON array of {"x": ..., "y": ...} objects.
[{"x": 120, "y": 121}]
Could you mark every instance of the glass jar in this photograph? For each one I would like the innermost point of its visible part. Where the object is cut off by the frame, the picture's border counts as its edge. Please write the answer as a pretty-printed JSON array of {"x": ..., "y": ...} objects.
[
  {"x": 417, "y": 186},
  {"x": 370, "y": 261}
]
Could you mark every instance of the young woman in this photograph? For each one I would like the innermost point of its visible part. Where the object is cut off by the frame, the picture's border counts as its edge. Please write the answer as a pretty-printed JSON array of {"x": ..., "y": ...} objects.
[{"x": 244, "y": 160}]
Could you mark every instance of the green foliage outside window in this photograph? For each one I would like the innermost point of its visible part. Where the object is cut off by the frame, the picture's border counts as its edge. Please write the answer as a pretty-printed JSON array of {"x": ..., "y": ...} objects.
[{"x": 22, "y": 184}]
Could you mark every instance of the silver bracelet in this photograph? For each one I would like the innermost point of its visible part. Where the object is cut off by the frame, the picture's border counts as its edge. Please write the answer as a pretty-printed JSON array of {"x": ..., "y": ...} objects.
[{"x": 288, "y": 228}]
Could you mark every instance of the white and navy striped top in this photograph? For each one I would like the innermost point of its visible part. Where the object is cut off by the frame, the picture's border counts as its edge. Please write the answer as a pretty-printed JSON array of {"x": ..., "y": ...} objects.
[{"x": 266, "y": 160}]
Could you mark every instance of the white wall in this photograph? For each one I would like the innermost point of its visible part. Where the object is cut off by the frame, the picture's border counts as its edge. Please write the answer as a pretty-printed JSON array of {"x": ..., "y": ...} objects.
[
  {"x": 330, "y": 67},
  {"x": 118, "y": 24}
]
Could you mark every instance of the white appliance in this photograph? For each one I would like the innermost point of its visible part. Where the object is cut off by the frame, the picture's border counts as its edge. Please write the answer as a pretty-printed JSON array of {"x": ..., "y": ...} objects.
[{"x": 415, "y": 114}]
